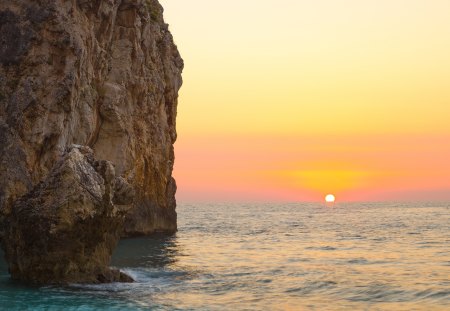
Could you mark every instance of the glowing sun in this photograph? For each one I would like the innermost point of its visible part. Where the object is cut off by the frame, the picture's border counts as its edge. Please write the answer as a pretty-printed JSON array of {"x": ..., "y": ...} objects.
[{"x": 330, "y": 198}]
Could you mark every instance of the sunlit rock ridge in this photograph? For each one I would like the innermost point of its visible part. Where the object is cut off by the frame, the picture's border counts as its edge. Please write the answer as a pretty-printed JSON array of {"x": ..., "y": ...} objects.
[{"x": 97, "y": 75}]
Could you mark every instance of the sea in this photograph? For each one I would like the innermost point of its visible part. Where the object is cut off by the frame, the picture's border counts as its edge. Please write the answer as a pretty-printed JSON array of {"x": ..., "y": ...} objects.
[{"x": 296, "y": 256}]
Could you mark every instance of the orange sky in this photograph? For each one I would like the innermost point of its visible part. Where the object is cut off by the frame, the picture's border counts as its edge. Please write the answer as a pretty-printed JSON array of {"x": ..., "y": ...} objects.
[{"x": 289, "y": 100}]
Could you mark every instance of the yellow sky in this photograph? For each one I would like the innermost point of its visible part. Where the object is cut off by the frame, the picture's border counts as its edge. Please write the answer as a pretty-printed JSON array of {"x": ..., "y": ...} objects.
[{"x": 322, "y": 75}]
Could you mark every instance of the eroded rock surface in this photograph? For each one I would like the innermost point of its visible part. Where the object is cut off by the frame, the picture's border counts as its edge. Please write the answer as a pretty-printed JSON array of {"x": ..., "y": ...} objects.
[
  {"x": 66, "y": 228},
  {"x": 100, "y": 73},
  {"x": 104, "y": 74}
]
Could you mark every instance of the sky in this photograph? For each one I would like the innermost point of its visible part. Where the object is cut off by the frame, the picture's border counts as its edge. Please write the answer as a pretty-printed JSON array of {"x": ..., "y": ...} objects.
[{"x": 289, "y": 100}]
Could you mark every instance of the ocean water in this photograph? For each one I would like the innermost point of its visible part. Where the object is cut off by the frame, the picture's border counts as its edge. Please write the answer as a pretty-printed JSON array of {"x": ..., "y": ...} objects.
[{"x": 361, "y": 256}]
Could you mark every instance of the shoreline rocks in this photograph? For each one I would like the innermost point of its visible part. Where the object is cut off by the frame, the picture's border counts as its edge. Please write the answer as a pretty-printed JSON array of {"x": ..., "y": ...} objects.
[
  {"x": 78, "y": 79},
  {"x": 66, "y": 228}
]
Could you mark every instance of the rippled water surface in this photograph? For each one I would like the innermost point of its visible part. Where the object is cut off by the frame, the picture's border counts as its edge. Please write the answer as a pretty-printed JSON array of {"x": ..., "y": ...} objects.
[{"x": 273, "y": 257}]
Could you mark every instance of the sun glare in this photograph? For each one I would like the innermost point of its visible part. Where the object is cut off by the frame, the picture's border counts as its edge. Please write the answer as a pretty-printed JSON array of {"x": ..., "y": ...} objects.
[{"x": 330, "y": 198}]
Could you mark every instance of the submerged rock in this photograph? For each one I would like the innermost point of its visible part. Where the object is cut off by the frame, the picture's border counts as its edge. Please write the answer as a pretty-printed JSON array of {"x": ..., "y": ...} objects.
[
  {"x": 66, "y": 228},
  {"x": 104, "y": 74}
]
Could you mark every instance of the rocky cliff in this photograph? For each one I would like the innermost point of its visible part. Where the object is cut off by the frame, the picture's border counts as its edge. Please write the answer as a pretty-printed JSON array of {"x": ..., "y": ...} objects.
[{"x": 103, "y": 74}]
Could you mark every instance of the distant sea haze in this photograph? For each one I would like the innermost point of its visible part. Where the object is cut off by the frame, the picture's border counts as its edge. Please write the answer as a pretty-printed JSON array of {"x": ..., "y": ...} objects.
[{"x": 360, "y": 256}]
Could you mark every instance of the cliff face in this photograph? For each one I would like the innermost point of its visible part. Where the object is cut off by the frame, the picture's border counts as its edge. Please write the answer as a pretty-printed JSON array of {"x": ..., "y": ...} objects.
[
  {"x": 98, "y": 73},
  {"x": 88, "y": 99}
]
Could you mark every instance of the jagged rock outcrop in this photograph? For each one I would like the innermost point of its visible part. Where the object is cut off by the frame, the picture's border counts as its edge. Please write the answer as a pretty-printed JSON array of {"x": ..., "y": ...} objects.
[
  {"x": 100, "y": 73},
  {"x": 66, "y": 228}
]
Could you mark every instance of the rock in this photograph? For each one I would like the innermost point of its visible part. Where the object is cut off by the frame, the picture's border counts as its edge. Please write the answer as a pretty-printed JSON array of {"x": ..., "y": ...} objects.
[
  {"x": 115, "y": 275},
  {"x": 66, "y": 228},
  {"x": 100, "y": 73},
  {"x": 103, "y": 75}
]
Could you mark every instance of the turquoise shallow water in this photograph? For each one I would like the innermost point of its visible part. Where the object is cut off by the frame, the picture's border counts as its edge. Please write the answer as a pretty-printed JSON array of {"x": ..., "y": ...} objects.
[{"x": 361, "y": 256}]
